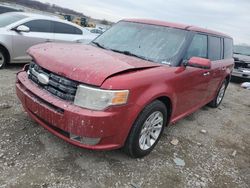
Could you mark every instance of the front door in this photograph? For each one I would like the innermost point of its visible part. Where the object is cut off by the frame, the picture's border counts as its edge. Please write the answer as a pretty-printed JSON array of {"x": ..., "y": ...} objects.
[
  {"x": 40, "y": 32},
  {"x": 192, "y": 83},
  {"x": 191, "y": 88}
]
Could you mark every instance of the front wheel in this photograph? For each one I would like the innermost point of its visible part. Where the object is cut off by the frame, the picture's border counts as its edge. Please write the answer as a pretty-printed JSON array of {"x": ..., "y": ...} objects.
[
  {"x": 3, "y": 59},
  {"x": 146, "y": 130},
  {"x": 220, "y": 95}
]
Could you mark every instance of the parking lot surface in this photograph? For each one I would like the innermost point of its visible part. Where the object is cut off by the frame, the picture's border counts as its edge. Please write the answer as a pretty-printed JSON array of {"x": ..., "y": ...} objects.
[{"x": 210, "y": 148}]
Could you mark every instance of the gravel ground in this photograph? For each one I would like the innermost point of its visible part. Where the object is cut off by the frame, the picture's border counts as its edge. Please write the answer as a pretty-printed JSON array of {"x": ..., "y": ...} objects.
[{"x": 218, "y": 157}]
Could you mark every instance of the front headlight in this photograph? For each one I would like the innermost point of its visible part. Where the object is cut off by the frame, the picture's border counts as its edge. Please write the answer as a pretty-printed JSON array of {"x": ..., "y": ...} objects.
[{"x": 99, "y": 99}]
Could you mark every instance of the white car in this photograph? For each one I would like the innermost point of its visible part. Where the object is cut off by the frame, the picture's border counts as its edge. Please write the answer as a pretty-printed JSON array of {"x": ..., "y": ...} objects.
[{"x": 19, "y": 31}]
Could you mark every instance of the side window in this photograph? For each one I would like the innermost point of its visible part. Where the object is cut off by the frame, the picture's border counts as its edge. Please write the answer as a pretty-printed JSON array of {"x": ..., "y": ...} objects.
[
  {"x": 198, "y": 47},
  {"x": 63, "y": 28},
  {"x": 228, "y": 48},
  {"x": 214, "y": 48},
  {"x": 44, "y": 26}
]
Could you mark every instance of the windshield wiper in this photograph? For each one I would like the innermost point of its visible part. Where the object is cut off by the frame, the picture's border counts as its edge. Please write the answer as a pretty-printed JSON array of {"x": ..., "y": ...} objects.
[
  {"x": 129, "y": 53},
  {"x": 99, "y": 45}
]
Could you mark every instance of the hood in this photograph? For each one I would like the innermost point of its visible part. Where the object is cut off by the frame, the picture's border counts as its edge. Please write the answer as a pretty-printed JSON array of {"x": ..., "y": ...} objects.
[
  {"x": 241, "y": 57},
  {"x": 84, "y": 63}
]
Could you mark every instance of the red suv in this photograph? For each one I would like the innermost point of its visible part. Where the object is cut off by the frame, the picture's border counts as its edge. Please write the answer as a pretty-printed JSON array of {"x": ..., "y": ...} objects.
[{"x": 123, "y": 88}]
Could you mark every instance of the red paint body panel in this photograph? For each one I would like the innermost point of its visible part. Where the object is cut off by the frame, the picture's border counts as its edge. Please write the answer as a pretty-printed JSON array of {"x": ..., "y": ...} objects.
[
  {"x": 202, "y": 30},
  {"x": 177, "y": 25},
  {"x": 94, "y": 124},
  {"x": 187, "y": 88},
  {"x": 157, "y": 22},
  {"x": 84, "y": 63}
]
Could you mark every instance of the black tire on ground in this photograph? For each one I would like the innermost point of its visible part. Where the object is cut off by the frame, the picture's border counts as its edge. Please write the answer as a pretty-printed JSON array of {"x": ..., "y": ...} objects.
[
  {"x": 216, "y": 101},
  {"x": 3, "y": 58},
  {"x": 132, "y": 146}
]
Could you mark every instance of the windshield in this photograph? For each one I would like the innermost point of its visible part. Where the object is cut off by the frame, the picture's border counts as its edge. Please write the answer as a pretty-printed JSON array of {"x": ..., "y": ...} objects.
[
  {"x": 9, "y": 18},
  {"x": 151, "y": 42},
  {"x": 244, "y": 50}
]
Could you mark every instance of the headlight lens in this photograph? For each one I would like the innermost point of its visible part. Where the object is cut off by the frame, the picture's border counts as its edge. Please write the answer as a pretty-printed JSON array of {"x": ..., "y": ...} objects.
[{"x": 99, "y": 99}]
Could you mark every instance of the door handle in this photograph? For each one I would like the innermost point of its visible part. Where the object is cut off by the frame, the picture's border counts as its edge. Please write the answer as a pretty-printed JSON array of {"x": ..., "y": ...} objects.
[
  {"x": 49, "y": 40},
  {"x": 206, "y": 74}
]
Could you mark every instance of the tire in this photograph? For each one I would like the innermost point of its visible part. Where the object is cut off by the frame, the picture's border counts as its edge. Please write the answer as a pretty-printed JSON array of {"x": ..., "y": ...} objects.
[
  {"x": 3, "y": 58},
  {"x": 144, "y": 135},
  {"x": 220, "y": 95}
]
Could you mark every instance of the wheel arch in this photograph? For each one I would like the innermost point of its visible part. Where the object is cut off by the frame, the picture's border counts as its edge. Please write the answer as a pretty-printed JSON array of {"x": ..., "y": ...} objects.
[
  {"x": 165, "y": 99},
  {"x": 168, "y": 103},
  {"x": 228, "y": 78},
  {"x": 162, "y": 92}
]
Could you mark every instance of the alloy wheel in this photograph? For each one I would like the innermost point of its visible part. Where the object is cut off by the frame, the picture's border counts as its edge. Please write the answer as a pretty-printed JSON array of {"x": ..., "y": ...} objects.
[
  {"x": 1, "y": 59},
  {"x": 221, "y": 93},
  {"x": 151, "y": 130}
]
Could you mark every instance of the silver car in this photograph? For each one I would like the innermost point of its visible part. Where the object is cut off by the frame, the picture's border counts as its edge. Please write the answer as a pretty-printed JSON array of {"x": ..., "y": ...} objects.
[
  {"x": 19, "y": 31},
  {"x": 242, "y": 62}
]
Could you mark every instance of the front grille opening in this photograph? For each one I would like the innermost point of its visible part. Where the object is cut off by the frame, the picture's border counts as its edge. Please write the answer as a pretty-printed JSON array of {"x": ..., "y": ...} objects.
[
  {"x": 51, "y": 106},
  {"x": 59, "y": 86}
]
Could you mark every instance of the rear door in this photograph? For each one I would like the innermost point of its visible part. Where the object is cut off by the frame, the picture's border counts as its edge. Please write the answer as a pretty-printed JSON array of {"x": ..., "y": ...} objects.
[
  {"x": 40, "y": 32},
  {"x": 66, "y": 32},
  {"x": 193, "y": 81},
  {"x": 218, "y": 66}
]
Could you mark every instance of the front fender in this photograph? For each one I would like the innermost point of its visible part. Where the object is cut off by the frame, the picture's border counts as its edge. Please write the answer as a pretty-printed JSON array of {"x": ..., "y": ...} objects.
[
  {"x": 154, "y": 92},
  {"x": 145, "y": 86}
]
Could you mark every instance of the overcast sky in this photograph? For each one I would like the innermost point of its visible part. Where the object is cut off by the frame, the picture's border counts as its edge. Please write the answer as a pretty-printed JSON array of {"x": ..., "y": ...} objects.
[{"x": 229, "y": 16}]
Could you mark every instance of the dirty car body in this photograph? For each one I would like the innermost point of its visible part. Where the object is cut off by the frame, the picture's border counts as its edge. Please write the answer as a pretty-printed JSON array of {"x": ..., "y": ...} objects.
[{"x": 105, "y": 95}]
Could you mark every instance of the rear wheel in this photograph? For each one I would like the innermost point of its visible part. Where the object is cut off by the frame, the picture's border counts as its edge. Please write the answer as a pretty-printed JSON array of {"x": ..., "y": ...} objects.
[
  {"x": 3, "y": 58},
  {"x": 146, "y": 130},
  {"x": 220, "y": 95}
]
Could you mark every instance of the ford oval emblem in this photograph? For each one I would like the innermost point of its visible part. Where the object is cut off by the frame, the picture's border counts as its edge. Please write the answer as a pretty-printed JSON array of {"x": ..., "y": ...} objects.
[{"x": 43, "y": 79}]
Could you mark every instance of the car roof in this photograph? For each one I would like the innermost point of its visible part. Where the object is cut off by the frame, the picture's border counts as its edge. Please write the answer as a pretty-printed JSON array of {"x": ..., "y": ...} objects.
[
  {"x": 33, "y": 15},
  {"x": 41, "y": 16},
  {"x": 178, "y": 26}
]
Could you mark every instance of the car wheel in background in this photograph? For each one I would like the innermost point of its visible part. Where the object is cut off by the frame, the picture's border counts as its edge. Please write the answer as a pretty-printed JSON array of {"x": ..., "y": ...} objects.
[
  {"x": 146, "y": 130},
  {"x": 220, "y": 95},
  {"x": 3, "y": 58}
]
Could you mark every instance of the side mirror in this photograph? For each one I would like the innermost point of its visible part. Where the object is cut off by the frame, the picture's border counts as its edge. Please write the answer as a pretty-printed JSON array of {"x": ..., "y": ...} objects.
[
  {"x": 199, "y": 63},
  {"x": 22, "y": 28}
]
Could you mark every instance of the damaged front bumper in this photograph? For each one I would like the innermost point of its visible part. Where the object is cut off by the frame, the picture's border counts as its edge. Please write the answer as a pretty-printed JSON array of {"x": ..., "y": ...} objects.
[
  {"x": 241, "y": 70},
  {"x": 99, "y": 130}
]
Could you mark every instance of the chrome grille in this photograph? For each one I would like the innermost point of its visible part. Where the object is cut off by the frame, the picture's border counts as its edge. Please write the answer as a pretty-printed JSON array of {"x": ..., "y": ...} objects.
[{"x": 59, "y": 86}]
